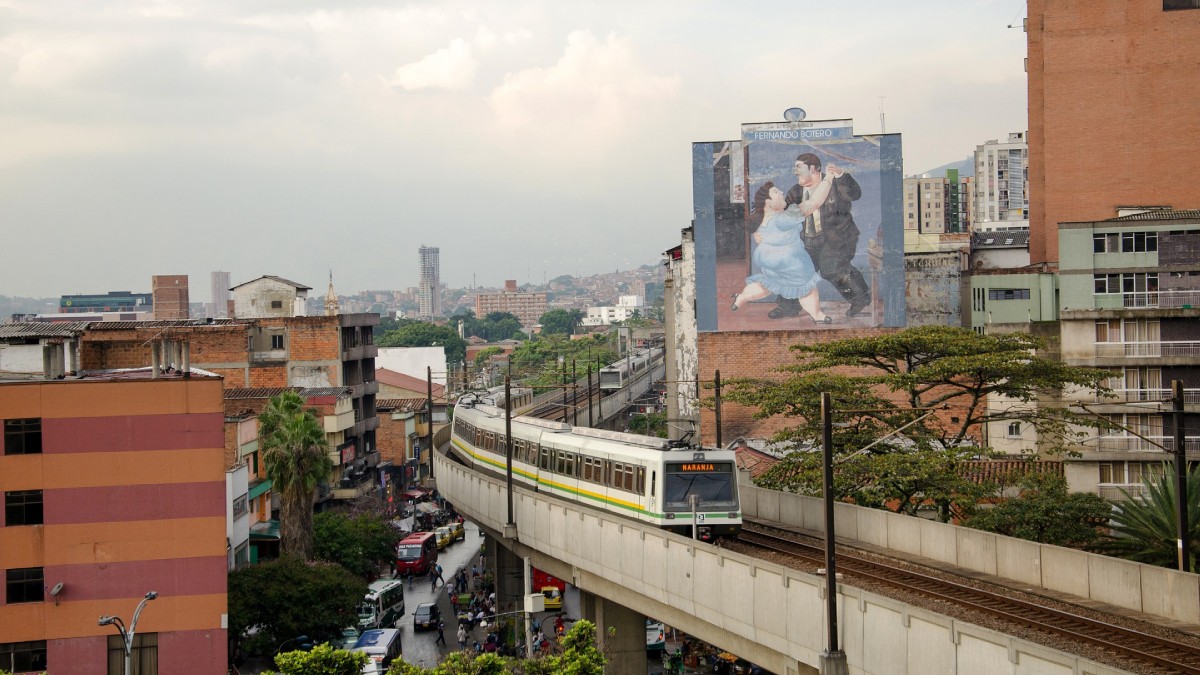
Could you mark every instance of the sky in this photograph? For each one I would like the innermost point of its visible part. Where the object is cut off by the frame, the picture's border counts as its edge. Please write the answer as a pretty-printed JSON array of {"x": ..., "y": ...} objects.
[{"x": 524, "y": 139}]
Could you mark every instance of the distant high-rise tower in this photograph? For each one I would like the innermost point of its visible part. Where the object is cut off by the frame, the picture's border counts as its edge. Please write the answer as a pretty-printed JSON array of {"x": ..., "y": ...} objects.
[
  {"x": 219, "y": 308},
  {"x": 1001, "y": 179},
  {"x": 428, "y": 292}
]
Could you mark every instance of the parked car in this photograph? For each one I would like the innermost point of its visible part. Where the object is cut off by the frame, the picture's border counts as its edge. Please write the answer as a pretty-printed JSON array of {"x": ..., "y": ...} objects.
[
  {"x": 350, "y": 636},
  {"x": 427, "y": 615},
  {"x": 459, "y": 532},
  {"x": 444, "y": 537}
]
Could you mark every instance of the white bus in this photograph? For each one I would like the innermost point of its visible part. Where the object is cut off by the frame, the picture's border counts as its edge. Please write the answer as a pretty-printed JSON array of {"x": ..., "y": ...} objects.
[{"x": 383, "y": 605}]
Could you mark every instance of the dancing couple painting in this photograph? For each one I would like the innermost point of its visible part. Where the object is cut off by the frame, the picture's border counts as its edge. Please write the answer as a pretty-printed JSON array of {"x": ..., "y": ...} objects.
[{"x": 802, "y": 236}]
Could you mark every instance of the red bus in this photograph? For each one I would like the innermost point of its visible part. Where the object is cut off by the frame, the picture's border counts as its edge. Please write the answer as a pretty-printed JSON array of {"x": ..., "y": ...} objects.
[{"x": 416, "y": 553}]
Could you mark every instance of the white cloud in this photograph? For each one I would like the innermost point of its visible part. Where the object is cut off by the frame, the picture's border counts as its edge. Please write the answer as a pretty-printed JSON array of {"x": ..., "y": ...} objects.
[
  {"x": 451, "y": 67},
  {"x": 596, "y": 91}
]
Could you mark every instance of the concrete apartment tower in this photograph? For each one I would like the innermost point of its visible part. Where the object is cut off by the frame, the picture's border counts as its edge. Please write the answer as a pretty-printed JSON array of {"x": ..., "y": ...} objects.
[
  {"x": 1002, "y": 181},
  {"x": 429, "y": 290},
  {"x": 170, "y": 292},
  {"x": 219, "y": 307}
]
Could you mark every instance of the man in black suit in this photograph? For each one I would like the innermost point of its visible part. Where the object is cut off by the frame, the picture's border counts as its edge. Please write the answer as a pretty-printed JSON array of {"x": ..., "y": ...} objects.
[{"x": 830, "y": 235}]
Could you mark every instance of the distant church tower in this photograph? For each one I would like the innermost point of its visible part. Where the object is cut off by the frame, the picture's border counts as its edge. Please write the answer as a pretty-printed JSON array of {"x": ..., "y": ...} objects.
[{"x": 331, "y": 301}]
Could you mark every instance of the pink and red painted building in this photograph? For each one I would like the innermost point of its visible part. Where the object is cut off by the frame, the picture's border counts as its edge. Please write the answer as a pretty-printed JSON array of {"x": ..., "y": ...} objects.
[{"x": 114, "y": 486}]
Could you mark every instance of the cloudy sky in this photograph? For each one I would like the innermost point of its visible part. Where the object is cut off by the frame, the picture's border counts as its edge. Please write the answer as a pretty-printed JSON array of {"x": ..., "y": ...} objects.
[{"x": 526, "y": 139}]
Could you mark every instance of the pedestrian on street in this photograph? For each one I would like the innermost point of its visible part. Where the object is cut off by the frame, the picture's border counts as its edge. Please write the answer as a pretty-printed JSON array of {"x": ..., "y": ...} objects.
[
  {"x": 441, "y": 633},
  {"x": 437, "y": 571},
  {"x": 462, "y": 636}
]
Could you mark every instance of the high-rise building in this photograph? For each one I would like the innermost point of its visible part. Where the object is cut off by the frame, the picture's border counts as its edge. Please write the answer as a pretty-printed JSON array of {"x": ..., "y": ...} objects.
[
  {"x": 1002, "y": 180},
  {"x": 219, "y": 307},
  {"x": 1101, "y": 67},
  {"x": 429, "y": 293}
]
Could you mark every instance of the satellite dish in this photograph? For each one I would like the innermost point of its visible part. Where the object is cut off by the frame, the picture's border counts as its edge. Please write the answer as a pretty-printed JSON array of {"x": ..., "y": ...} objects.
[
  {"x": 57, "y": 588},
  {"x": 794, "y": 114}
]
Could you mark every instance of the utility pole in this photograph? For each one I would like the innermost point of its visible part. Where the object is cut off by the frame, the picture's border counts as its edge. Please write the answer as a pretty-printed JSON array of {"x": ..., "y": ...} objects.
[
  {"x": 591, "y": 422},
  {"x": 717, "y": 406},
  {"x": 429, "y": 413},
  {"x": 833, "y": 659},
  {"x": 1181, "y": 479}
]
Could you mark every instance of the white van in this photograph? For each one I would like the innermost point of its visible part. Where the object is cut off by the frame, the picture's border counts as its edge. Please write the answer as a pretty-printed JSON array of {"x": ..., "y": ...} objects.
[{"x": 382, "y": 646}]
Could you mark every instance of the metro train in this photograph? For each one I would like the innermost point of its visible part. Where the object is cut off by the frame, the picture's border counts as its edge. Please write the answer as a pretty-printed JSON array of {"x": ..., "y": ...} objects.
[
  {"x": 642, "y": 477},
  {"x": 618, "y": 374}
]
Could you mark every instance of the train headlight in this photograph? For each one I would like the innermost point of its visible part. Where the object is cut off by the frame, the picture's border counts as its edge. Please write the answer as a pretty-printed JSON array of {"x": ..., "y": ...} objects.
[
  {"x": 670, "y": 516},
  {"x": 732, "y": 514}
]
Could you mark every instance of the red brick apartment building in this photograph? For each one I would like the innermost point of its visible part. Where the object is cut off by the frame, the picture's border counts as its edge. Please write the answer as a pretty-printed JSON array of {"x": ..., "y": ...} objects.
[
  {"x": 114, "y": 486},
  {"x": 1112, "y": 111}
]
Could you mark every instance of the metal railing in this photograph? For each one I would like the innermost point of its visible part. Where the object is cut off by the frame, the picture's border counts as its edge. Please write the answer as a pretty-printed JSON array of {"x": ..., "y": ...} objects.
[
  {"x": 1128, "y": 443},
  {"x": 1154, "y": 299},
  {"x": 1113, "y": 492},
  {"x": 1146, "y": 395},
  {"x": 1149, "y": 349}
]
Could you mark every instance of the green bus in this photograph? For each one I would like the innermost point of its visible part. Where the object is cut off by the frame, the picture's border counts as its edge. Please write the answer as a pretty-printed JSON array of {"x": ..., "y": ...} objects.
[{"x": 383, "y": 605}]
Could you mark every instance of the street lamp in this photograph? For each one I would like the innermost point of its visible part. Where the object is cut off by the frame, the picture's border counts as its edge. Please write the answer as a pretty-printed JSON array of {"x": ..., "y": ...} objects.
[
  {"x": 299, "y": 638},
  {"x": 127, "y": 635}
]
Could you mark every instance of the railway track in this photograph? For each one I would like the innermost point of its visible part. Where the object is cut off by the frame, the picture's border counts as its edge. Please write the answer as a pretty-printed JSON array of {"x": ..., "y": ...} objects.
[{"x": 1152, "y": 652}]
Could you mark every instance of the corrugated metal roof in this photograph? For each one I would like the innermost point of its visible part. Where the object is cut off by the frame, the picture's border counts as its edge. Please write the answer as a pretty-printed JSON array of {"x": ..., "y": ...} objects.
[
  {"x": 1017, "y": 239},
  {"x": 165, "y": 323},
  {"x": 1163, "y": 214},
  {"x": 325, "y": 391},
  {"x": 400, "y": 404},
  {"x": 257, "y": 392},
  {"x": 279, "y": 279},
  {"x": 41, "y": 329}
]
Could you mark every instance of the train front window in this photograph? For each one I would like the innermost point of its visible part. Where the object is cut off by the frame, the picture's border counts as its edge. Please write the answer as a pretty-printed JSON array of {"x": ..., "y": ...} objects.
[{"x": 712, "y": 482}]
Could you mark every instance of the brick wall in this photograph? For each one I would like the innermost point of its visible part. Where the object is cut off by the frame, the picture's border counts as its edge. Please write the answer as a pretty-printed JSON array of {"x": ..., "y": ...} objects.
[
  {"x": 392, "y": 439},
  {"x": 312, "y": 338},
  {"x": 231, "y": 443},
  {"x": 1112, "y": 112},
  {"x": 130, "y": 348},
  {"x": 759, "y": 354},
  {"x": 268, "y": 376}
]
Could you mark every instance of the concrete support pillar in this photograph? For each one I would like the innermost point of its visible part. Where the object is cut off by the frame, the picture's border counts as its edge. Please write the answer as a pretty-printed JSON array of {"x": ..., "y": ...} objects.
[
  {"x": 47, "y": 361},
  {"x": 619, "y": 630},
  {"x": 510, "y": 582},
  {"x": 185, "y": 356},
  {"x": 72, "y": 364},
  {"x": 155, "y": 356}
]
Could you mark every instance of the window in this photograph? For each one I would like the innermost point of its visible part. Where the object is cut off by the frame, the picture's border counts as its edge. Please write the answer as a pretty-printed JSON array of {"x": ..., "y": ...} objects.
[
  {"x": 276, "y": 304},
  {"x": 143, "y": 658},
  {"x": 1180, "y": 4},
  {"x": 20, "y": 657},
  {"x": 276, "y": 342},
  {"x": 23, "y": 437},
  {"x": 240, "y": 507},
  {"x": 1008, "y": 294},
  {"x": 23, "y": 507},
  {"x": 1014, "y": 429},
  {"x": 23, "y": 585}
]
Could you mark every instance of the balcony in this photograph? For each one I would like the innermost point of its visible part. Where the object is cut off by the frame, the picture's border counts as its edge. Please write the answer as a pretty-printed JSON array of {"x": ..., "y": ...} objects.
[
  {"x": 1147, "y": 349},
  {"x": 1146, "y": 396},
  {"x": 268, "y": 356},
  {"x": 1128, "y": 443},
  {"x": 1113, "y": 491},
  {"x": 1153, "y": 300},
  {"x": 354, "y": 489}
]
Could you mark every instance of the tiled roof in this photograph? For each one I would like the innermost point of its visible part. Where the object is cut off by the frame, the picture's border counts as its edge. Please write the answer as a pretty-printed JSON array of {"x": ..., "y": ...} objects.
[
  {"x": 1163, "y": 214},
  {"x": 41, "y": 329},
  {"x": 757, "y": 463},
  {"x": 1017, "y": 239},
  {"x": 1007, "y": 469},
  {"x": 400, "y": 404}
]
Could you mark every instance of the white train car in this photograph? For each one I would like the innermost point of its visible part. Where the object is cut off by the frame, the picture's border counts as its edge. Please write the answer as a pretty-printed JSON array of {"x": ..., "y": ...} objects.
[
  {"x": 638, "y": 477},
  {"x": 617, "y": 375}
]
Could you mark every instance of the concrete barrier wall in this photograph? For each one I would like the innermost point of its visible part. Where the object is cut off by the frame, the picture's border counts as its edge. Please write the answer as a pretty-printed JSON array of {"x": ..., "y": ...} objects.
[
  {"x": 771, "y": 614},
  {"x": 1145, "y": 588}
]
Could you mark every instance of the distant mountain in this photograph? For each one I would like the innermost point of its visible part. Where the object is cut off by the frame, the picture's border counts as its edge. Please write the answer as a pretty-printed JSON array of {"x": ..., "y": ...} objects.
[{"x": 966, "y": 167}]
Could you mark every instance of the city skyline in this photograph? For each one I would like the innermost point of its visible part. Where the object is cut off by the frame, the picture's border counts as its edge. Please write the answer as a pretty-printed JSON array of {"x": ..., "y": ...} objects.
[{"x": 524, "y": 142}]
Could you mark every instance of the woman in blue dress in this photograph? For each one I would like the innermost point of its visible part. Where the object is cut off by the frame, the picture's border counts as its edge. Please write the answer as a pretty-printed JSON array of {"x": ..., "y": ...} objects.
[{"x": 784, "y": 267}]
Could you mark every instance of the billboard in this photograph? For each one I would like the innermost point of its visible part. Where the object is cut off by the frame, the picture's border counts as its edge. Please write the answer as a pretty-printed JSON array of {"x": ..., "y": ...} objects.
[{"x": 798, "y": 227}]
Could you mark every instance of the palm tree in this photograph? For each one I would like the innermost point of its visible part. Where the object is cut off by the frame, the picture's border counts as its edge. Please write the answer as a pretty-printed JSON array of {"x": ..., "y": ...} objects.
[
  {"x": 295, "y": 455},
  {"x": 1144, "y": 528}
]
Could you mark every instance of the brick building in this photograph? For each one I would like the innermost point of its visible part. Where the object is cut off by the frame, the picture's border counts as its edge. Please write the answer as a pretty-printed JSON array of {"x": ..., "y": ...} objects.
[
  {"x": 114, "y": 487},
  {"x": 1112, "y": 113},
  {"x": 527, "y": 307}
]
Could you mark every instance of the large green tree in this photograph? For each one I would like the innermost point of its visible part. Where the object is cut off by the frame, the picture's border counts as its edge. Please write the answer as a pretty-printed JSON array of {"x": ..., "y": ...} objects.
[
  {"x": 288, "y": 597},
  {"x": 295, "y": 456},
  {"x": 362, "y": 542},
  {"x": 1047, "y": 512},
  {"x": 893, "y": 445},
  {"x": 1144, "y": 527},
  {"x": 422, "y": 334},
  {"x": 577, "y": 655},
  {"x": 323, "y": 659},
  {"x": 560, "y": 321}
]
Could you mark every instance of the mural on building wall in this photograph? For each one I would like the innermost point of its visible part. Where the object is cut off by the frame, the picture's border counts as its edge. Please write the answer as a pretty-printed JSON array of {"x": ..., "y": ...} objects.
[{"x": 798, "y": 226}]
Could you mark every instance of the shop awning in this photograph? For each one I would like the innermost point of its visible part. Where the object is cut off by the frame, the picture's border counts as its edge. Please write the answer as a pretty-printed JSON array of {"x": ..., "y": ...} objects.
[
  {"x": 268, "y": 529},
  {"x": 256, "y": 489},
  {"x": 427, "y": 507},
  {"x": 414, "y": 495}
]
